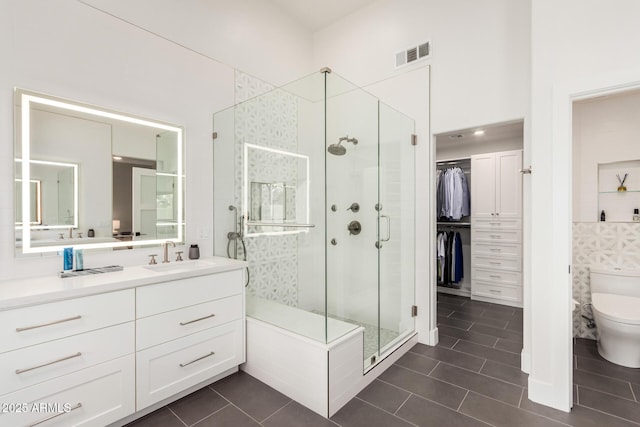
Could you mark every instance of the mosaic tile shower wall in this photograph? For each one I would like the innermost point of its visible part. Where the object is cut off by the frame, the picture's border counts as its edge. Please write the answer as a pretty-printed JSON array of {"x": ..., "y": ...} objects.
[
  {"x": 607, "y": 244},
  {"x": 269, "y": 121}
]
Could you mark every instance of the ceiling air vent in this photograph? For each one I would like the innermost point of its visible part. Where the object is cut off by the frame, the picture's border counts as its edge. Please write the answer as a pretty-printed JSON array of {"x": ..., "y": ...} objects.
[{"x": 413, "y": 54}]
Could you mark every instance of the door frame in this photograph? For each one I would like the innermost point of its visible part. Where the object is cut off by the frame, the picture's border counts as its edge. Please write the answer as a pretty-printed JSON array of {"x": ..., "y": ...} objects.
[{"x": 557, "y": 389}]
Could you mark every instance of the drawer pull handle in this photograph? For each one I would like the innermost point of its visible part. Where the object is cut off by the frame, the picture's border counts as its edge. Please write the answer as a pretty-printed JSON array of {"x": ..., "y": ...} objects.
[
  {"x": 493, "y": 236},
  {"x": 493, "y": 291},
  {"x": 496, "y": 277},
  {"x": 55, "y": 322},
  {"x": 495, "y": 263},
  {"x": 197, "y": 320},
  {"x": 22, "y": 371},
  {"x": 495, "y": 250},
  {"x": 44, "y": 420},
  {"x": 182, "y": 365}
]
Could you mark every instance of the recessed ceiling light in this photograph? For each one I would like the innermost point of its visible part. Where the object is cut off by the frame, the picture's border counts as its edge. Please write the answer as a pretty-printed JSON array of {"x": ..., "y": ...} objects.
[
  {"x": 456, "y": 136},
  {"x": 117, "y": 158},
  {"x": 479, "y": 132}
]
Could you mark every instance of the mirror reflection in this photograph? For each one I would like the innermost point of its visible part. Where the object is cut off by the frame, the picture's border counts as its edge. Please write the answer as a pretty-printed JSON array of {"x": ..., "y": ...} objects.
[{"x": 107, "y": 179}]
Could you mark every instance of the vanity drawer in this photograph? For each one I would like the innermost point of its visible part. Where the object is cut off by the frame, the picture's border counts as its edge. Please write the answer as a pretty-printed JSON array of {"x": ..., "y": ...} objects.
[
  {"x": 496, "y": 236},
  {"x": 167, "y": 369},
  {"x": 32, "y": 365},
  {"x": 31, "y": 325},
  {"x": 96, "y": 396},
  {"x": 497, "y": 277},
  {"x": 163, "y": 297},
  {"x": 154, "y": 330},
  {"x": 487, "y": 290},
  {"x": 497, "y": 250},
  {"x": 502, "y": 264}
]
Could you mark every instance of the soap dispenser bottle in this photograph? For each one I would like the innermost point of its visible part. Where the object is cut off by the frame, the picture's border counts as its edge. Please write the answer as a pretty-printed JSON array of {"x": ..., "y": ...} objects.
[
  {"x": 636, "y": 215},
  {"x": 602, "y": 216}
]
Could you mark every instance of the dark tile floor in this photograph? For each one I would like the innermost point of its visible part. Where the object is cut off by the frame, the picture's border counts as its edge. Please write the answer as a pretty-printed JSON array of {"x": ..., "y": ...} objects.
[{"x": 472, "y": 378}]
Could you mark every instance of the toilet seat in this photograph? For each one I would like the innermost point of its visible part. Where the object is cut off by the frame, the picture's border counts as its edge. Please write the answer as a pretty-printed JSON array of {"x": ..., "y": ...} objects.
[{"x": 617, "y": 308}]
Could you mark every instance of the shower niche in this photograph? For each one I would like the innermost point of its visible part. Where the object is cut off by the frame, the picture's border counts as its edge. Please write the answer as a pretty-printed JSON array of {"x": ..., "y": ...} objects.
[
  {"x": 275, "y": 190},
  {"x": 317, "y": 180}
]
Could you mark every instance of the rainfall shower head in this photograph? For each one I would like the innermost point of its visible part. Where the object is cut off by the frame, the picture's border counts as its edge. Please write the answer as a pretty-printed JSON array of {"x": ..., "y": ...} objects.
[{"x": 339, "y": 150}]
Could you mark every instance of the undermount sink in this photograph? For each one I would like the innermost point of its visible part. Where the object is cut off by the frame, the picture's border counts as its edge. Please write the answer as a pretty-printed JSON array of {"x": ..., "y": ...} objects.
[{"x": 178, "y": 266}]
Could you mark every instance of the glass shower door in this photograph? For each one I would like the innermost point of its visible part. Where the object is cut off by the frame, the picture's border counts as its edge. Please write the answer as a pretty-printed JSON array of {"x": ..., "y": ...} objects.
[{"x": 397, "y": 228}]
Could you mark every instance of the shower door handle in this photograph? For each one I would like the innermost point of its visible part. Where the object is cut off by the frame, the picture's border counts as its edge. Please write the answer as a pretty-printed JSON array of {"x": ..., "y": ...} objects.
[{"x": 388, "y": 228}]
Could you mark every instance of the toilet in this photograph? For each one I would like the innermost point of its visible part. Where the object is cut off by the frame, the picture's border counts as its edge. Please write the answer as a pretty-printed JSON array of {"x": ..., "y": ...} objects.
[{"x": 615, "y": 300}]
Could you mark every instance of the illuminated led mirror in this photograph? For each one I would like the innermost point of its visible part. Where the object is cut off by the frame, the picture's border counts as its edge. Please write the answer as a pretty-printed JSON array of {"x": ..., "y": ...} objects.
[{"x": 88, "y": 177}]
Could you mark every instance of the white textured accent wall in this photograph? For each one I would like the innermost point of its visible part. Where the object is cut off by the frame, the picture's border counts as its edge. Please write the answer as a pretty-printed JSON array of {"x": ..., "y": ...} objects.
[{"x": 269, "y": 120}]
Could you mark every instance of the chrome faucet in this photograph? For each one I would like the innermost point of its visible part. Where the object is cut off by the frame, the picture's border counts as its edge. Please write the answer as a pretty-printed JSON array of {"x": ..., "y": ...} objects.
[
  {"x": 165, "y": 246},
  {"x": 71, "y": 232}
]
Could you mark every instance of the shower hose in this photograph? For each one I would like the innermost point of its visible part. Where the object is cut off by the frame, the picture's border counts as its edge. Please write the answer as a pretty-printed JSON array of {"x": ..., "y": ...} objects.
[{"x": 236, "y": 237}]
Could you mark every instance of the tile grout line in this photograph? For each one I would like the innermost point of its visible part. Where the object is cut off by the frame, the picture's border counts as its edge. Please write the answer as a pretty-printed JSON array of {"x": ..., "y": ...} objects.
[
  {"x": 611, "y": 415},
  {"x": 521, "y": 396},
  {"x": 632, "y": 392},
  {"x": 462, "y": 401},
  {"x": 607, "y": 393},
  {"x": 384, "y": 410},
  {"x": 210, "y": 415},
  {"x": 278, "y": 410},
  {"x": 176, "y": 415},
  {"x": 482, "y": 367},
  {"x": 434, "y": 368},
  {"x": 402, "y": 404}
]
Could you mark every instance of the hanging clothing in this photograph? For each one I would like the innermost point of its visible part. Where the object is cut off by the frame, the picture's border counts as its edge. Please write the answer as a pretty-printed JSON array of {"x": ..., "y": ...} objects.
[
  {"x": 449, "y": 261},
  {"x": 452, "y": 194}
]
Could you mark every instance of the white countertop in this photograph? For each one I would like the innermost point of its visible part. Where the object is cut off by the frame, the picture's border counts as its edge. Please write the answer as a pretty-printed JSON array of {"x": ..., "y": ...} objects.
[{"x": 39, "y": 290}]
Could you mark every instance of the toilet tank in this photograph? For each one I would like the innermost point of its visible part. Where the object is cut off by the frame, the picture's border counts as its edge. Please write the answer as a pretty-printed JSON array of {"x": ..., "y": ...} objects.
[{"x": 615, "y": 280}]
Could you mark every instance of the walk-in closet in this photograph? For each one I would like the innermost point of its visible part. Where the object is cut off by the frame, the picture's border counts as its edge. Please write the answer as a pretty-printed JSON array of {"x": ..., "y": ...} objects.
[{"x": 479, "y": 213}]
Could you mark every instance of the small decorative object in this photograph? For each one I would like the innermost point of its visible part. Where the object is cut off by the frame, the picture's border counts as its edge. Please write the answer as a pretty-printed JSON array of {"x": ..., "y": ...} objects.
[
  {"x": 621, "y": 187},
  {"x": 91, "y": 233},
  {"x": 603, "y": 217},
  {"x": 194, "y": 252},
  {"x": 636, "y": 215}
]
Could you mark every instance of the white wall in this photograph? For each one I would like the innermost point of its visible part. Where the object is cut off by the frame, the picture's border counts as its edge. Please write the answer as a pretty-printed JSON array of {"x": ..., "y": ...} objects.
[
  {"x": 567, "y": 52},
  {"x": 605, "y": 130},
  {"x": 250, "y": 35},
  {"x": 73, "y": 50},
  {"x": 480, "y": 59}
]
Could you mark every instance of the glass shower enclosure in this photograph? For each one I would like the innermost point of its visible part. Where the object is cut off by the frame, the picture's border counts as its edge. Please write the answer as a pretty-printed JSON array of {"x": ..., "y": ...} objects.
[{"x": 314, "y": 185}]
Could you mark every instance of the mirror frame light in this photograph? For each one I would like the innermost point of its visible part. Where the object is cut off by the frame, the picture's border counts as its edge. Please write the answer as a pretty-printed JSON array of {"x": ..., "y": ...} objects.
[{"x": 28, "y": 98}]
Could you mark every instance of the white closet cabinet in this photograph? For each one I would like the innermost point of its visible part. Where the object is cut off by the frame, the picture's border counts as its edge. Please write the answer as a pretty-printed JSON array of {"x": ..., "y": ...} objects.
[{"x": 496, "y": 227}]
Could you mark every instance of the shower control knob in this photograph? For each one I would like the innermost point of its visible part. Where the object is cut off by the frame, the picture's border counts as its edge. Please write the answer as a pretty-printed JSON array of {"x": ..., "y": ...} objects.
[
  {"x": 378, "y": 244},
  {"x": 355, "y": 207},
  {"x": 334, "y": 208},
  {"x": 378, "y": 207},
  {"x": 334, "y": 242},
  {"x": 354, "y": 228}
]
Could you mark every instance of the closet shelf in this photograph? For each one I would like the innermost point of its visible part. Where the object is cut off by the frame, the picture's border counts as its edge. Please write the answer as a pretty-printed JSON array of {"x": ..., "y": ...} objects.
[
  {"x": 618, "y": 192},
  {"x": 455, "y": 224}
]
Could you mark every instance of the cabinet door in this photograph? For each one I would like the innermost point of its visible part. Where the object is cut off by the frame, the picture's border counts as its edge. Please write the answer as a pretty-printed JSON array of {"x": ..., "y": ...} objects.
[
  {"x": 483, "y": 186},
  {"x": 508, "y": 184}
]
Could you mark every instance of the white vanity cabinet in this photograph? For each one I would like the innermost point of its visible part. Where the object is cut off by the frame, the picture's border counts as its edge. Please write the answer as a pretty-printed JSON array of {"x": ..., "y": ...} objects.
[
  {"x": 188, "y": 331},
  {"x": 68, "y": 362},
  {"x": 139, "y": 340}
]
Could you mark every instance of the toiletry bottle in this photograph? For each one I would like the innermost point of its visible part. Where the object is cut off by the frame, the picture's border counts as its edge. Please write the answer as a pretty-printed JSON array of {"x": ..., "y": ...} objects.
[
  {"x": 67, "y": 259},
  {"x": 91, "y": 233},
  {"x": 636, "y": 215},
  {"x": 602, "y": 216},
  {"x": 194, "y": 252},
  {"x": 79, "y": 260}
]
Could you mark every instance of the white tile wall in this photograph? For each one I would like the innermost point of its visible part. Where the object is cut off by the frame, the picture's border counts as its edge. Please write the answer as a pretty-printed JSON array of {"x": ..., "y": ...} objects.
[{"x": 269, "y": 121}]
